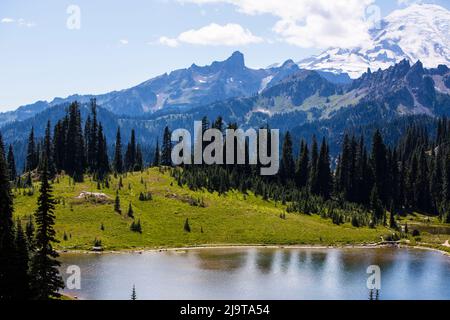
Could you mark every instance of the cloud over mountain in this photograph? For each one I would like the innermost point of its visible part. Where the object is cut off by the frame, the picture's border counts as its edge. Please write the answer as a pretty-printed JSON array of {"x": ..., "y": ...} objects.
[
  {"x": 310, "y": 23},
  {"x": 230, "y": 34}
]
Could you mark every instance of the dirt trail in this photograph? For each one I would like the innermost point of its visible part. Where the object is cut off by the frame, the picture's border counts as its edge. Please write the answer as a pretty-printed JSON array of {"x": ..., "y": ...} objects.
[{"x": 446, "y": 244}]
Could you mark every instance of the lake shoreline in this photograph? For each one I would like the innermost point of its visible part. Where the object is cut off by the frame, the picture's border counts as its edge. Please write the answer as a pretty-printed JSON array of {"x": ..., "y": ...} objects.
[{"x": 253, "y": 246}]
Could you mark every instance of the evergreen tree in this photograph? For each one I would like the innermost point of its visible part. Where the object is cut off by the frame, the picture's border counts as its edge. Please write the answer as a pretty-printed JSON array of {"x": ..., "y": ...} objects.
[
  {"x": 379, "y": 166},
  {"x": 422, "y": 184},
  {"x": 102, "y": 164},
  {"x": 346, "y": 174},
  {"x": 46, "y": 281},
  {"x": 130, "y": 211},
  {"x": 7, "y": 247},
  {"x": 29, "y": 231},
  {"x": 313, "y": 168},
  {"x": 92, "y": 139},
  {"x": 156, "y": 156},
  {"x": 377, "y": 206},
  {"x": 287, "y": 166},
  {"x": 32, "y": 154},
  {"x": 136, "y": 226},
  {"x": 118, "y": 160},
  {"x": 139, "y": 165},
  {"x": 74, "y": 148},
  {"x": 324, "y": 177},
  {"x": 48, "y": 151},
  {"x": 436, "y": 181},
  {"x": 22, "y": 289},
  {"x": 410, "y": 192},
  {"x": 166, "y": 153},
  {"x": 187, "y": 227},
  {"x": 133, "y": 293},
  {"x": 117, "y": 204},
  {"x": 301, "y": 173},
  {"x": 130, "y": 155},
  {"x": 59, "y": 143},
  {"x": 11, "y": 164},
  {"x": 392, "y": 222},
  {"x": 87, "y": 138}
]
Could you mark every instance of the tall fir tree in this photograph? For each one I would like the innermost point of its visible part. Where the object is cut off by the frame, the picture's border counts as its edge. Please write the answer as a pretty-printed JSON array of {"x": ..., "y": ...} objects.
[
  {"x": 166, "y": 152},
  {"x": 22, "y": 289},
  {"x": 102, "y": 163},
  {"x": 324, "y": 172},
  {"x": 11, "y": 164},
  {"x": 344, "y": 178},
  {"x": 32, "y": 154},
  {"x": 7, "y": 245},
  {"x": 139, "y": 165},
  {"x": 46, "y": 281},
  {"x": 287, "y": 167},
  {"x": 446, "y": 182},
  {"x": 47, "y": 151},
  {"x": 157, "y": 156},
  {"x": 313, "y": 168},
  {"x": 74, "y": 149},
  {"x": 379, "y": 166},
  {"x": 92, "y": 139},
  {"x": 301, "y": 173},
  {"x": 130, "y": 155},
  {"x": 118, "y": 160}
]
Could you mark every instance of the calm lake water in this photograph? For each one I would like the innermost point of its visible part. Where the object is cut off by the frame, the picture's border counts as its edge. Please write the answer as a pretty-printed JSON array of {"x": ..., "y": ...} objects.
[{"x": 291, "y": 274}]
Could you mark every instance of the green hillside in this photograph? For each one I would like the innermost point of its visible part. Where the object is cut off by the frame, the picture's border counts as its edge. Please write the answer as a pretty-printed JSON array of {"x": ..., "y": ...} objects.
[{"x": 234, "y": 218}]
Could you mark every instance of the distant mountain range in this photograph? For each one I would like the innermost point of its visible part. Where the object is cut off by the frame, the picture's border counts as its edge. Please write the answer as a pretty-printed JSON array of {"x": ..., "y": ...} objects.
[{"x": 191, "y": 87}]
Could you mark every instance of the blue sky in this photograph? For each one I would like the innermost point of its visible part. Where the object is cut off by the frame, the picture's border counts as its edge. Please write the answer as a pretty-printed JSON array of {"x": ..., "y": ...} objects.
[{"x": 122, "y": 43}]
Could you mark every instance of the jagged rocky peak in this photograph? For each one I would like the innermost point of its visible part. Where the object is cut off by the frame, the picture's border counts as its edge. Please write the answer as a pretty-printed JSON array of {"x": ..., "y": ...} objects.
[
  {"x": 236, "y": 61},
  {"x": 415, "y": 74},
  {"x": 289, "y": 64}
]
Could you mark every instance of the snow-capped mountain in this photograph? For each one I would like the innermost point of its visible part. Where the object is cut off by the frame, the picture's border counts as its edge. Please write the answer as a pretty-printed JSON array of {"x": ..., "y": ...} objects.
[{"x": 418, "y": 32}]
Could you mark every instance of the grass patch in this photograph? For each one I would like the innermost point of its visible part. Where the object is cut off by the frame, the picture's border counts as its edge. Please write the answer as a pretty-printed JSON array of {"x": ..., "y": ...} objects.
[{"x": 233, "y": 218}]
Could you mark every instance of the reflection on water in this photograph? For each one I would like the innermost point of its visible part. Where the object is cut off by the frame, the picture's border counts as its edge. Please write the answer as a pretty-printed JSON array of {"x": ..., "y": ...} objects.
[
  {"x": 262, "y": 274},
  {"x": 374, "y": 294}
]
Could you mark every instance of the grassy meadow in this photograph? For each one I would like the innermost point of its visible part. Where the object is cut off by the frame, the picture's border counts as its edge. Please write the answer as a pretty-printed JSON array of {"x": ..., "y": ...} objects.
[{"x": 214, "y": 219}]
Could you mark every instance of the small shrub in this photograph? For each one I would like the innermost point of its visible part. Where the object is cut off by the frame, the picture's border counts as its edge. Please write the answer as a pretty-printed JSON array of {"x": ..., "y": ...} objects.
[
  {"x": 147, "y": 196},
  {"x": 136, "y": 226},
  {"x": 187, "y": 227},
  {"x": 97, "y": 242}
]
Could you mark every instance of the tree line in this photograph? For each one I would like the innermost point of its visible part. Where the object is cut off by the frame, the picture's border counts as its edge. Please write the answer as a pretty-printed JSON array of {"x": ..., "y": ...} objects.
[
  {"x": 361, "y": 185},
  {"x": 78, "y": 150},
  {"x": 28, "y": 262},
  {"x": 413, "y": 174}
]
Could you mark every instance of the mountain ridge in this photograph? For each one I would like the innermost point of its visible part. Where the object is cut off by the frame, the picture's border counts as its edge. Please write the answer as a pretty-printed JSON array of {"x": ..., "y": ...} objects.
[{"x": 193, "y": 86}]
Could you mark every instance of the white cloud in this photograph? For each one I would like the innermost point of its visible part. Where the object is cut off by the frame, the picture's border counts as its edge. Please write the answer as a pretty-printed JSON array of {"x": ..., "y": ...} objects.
[
  {"x": 23, "y": 23},
  {"x": 168, "y": 42},
  {"x": 123, "y": 41},
  {"x": 20, "y": 22},
  {"x": 310, "y": 23},
  {"x": 7, "y": 20},
  {"x": 215, "y": 35}
]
